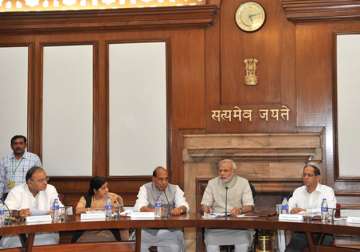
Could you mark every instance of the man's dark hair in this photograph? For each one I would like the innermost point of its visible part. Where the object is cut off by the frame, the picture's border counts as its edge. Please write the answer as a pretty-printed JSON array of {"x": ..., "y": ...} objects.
[
  {"x": 315, "y": 166},
  {"x": 31, "y": 171},
  {"x": 157, "y": 169},
  {"x": 13, "y": 139}
]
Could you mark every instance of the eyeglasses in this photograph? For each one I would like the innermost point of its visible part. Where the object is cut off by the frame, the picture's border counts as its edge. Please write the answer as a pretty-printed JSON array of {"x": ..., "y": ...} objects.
[{"x": 44, "y": 180}]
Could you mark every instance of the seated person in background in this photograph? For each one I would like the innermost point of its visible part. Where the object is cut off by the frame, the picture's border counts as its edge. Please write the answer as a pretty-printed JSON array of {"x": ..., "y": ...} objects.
[
  {"x": 14, "y": 166},
  {"x": 309, "y": 198},
  {"x": 172, "y": 197},
  {"x": 239, "y": 201},
  {"x": 95, "y": 199},
  {"x": 34, "y": 195}
]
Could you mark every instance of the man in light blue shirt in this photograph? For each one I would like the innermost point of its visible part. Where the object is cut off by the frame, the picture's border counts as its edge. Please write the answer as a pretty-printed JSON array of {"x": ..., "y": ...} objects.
[{"x": 14, "y": 166}]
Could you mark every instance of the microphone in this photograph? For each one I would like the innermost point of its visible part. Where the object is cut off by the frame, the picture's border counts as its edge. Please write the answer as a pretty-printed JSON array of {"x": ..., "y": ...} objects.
[
  {"x": 226, "y": 193},
  {"x": 8, "y": 219},
  {"x": 168, "y": 203}
]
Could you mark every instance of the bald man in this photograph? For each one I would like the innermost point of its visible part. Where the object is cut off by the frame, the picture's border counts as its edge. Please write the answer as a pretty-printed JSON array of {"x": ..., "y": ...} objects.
[
  {"x": 231, "y": 194},
  {"x": 172, "y": 198},
  {"x": 36, "y": 195}
]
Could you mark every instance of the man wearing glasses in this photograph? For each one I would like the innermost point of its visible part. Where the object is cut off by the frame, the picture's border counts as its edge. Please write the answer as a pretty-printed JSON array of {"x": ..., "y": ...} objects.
[
  {"x": 308, "y": 198},
  {"x": 33, "y": 197}
]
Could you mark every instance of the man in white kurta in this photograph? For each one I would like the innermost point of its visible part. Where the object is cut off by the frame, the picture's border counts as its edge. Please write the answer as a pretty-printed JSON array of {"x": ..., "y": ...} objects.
[
  {"x": 308, "y": 198},
  {"x": 33, "y": 196},
  {"x": 229, "y": 194},
  {"x": 172, "y": 199}
]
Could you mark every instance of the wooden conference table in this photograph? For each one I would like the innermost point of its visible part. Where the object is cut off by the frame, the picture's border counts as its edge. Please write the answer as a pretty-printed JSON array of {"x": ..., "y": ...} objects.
[{"x": 73, "y": 223}]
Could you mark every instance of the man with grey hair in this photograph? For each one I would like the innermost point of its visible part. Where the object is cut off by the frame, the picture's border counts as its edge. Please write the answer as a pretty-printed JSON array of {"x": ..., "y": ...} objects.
[
  {"x": 31, "y": 198},
  {"x": 172, "y": 199},
  {"x": 229, "y": 194}
]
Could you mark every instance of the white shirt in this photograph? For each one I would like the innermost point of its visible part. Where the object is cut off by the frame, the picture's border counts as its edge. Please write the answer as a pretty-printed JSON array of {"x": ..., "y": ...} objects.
[
  {"x": 20, "y": 197},
  {"x": 142, "y": 200},
  {"x": 312, "y": 201}
]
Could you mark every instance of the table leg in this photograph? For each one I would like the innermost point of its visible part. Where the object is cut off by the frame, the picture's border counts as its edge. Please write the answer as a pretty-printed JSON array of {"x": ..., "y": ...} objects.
[
  {"x": 29, "y": 242},
  {"x": 138, "y": 240},
  {"x": 310, "y": 240}
]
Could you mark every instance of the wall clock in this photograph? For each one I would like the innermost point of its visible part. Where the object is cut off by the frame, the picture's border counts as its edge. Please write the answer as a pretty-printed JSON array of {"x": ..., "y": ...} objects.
[{"x": 250, "y": 16}]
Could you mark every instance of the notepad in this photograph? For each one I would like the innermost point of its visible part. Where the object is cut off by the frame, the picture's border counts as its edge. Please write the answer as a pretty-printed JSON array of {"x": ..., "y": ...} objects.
[
  {"x": 291, "y": 217},
  {"x": 88, "y": 216},
  {"x": 38, "y": 219},
  {"x": 353, "y": 220}
]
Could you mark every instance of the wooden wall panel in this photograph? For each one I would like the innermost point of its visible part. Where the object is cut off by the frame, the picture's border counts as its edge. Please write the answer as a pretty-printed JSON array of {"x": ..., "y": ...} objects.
[
  {"x": 188, "y": 85},
  {"x": 205, "y": 72},
  {"x": 315, "y": 82},
  {"x": 274, "y": 46},
  {"x": 265, "y": 45}
]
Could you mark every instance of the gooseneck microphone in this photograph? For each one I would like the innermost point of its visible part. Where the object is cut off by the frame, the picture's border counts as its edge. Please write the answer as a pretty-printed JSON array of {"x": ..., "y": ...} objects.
[
  {"x": 226, "y": 196},
  {"x": 168, "y": 203}
]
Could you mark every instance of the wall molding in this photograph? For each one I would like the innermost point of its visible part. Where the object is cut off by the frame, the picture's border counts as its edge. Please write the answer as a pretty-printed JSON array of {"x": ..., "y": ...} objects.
[
  {"x": 318, "y": 10},
  {"x": 119, "y": 19}
]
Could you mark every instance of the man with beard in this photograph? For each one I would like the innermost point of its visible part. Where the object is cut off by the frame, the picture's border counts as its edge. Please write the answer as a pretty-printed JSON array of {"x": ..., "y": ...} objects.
[
  {"x": 14, "y": 166},
  {"x": 227, "y": 194}
]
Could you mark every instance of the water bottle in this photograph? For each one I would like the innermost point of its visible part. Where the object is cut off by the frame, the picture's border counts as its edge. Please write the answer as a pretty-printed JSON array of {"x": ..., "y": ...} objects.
[
  {"x": 2, "y": 213},
  {"x": 158, "y": 208},
  {"x": 284, "y": 206},
  {"x": 108, "y": 208},
  {"x": 56, "y": 210},
  {"x": 324, "y": 210}
]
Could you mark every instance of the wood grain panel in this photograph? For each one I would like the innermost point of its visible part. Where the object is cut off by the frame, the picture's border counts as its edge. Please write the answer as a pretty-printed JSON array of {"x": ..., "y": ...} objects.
[
  {"x": 188, "y": 85},
  {"x": 315, "y": 10},
  {"x": 206, "y": 71},
  {"x": 119, "y": 19},
  {"x": 274, "y": 47},
  {"x": 315, "y": 83}
]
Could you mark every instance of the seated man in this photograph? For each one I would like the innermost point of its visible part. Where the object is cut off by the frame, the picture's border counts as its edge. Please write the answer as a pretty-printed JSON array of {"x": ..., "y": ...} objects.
[
  {"x": 172, "y": 197},
  {"x": 309, "y": 198},
  {"x": 227, "y": 193},
  {"x": 14, "y": 166},
  {"x": 34, "y": 195}
]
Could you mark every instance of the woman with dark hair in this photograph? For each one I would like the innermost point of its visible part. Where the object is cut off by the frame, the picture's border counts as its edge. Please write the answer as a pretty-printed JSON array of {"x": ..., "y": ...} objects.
[{"x": 95, "y": 199}]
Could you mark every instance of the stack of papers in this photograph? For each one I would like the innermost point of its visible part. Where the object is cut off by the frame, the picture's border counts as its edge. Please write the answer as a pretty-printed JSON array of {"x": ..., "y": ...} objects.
[
  {"x": 38, "y": 219},
  {"x": 291, "y": 217},
  {"x": 93, "y": 215},
  {"x": 353, "y": 220},
  {"x": 142, "y": 215}
]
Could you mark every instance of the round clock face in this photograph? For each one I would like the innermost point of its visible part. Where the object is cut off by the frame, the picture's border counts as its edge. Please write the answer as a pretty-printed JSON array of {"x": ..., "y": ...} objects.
[{"x": 250, "y": 16}]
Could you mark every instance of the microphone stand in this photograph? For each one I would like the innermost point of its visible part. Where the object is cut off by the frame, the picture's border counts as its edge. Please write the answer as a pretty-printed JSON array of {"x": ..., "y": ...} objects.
[
  {"x": 7, "y": 221},
  {"x": 226, "y": 196},
  {"x": 168, "y": 207}
]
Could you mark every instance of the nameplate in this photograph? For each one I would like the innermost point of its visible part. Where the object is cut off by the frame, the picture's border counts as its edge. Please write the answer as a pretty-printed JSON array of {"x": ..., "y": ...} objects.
[
  {"x": 93, "y": 216},
  {"x": 291, "y": 217},
  {"x": 142, "y": 215},
  {"x": 353, "y": 220},
  {"x": 38, "y": 219}
]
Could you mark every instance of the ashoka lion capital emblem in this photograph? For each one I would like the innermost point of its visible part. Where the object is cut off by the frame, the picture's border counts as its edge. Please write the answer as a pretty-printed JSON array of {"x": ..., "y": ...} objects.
[{"x": 250, "y": 68}]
